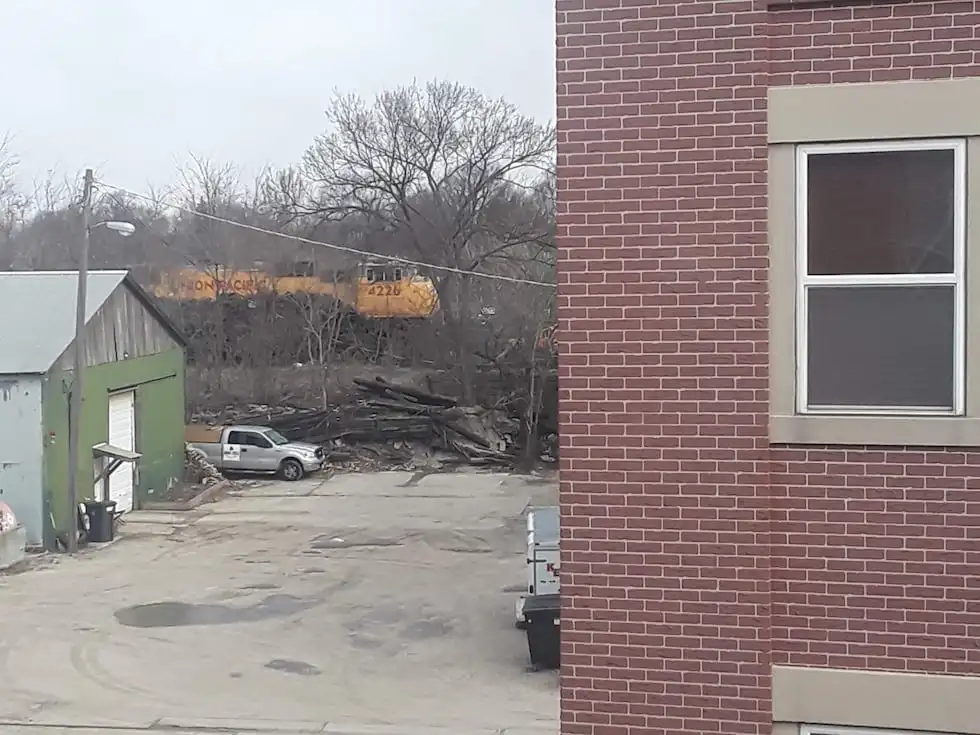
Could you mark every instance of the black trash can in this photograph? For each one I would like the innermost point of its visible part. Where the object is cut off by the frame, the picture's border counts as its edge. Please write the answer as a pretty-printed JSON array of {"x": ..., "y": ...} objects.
[
  {"x": 101, "y": 517},
  {"x": 543, "y": 630}
]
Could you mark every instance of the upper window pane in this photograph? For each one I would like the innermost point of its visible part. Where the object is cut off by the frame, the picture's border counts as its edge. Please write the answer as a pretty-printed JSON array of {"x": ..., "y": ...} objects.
[{"x": 880, "y": 213}]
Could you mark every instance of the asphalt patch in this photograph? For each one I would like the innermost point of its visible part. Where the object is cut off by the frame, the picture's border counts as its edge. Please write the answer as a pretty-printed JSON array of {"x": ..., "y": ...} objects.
[
  {"x": 171, "y": 614},
  {"x": 301, "y": 668}
]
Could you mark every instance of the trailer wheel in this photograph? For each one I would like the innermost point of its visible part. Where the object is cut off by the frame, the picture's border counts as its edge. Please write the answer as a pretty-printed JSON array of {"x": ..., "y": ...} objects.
[{"x": 291, "y": 470}]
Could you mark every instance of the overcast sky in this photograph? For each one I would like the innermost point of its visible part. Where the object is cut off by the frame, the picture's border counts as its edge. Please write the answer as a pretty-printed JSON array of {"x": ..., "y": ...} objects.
[{"x": 129, "y": 87}]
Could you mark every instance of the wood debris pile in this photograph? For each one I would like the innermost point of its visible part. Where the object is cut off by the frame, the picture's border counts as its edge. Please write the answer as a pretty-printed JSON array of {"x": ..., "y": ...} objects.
[
  {"x": 393, "y": 426},
  {"x": 478, "y": 435},
  {"x": 198, "y": 469}
]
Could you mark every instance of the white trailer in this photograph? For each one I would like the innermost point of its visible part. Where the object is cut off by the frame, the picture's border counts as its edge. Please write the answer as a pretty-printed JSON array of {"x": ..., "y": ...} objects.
[{"x": 539, "y": 609}]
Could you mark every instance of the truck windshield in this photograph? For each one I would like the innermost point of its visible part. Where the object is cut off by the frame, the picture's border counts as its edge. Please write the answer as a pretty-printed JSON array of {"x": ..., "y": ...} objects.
[{"x": 276, "y": 438}]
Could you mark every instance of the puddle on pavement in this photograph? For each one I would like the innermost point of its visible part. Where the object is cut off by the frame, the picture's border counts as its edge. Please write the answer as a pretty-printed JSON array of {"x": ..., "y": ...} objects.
[
  {"x": 293, "y": 667},
  {"x": 173, "y": 614}
]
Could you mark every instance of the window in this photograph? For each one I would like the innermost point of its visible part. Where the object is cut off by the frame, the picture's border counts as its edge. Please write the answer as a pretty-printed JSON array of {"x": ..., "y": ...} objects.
[
  {"x": 248, "y": 439},
  {"x": 276, "y": 438},
  {"x": 874, "y": 264},
  {"x": 880, "y": 292},
  {"x": 257, "y": 440}
]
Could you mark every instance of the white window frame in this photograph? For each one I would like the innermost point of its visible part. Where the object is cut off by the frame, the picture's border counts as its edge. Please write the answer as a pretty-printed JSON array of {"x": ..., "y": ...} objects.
[{"x": 956, "y": 279}]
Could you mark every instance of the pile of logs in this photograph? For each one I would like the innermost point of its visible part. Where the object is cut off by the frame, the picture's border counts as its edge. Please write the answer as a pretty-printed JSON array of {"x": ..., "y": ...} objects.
[
  {"x": 198, "y": 469},
  {"x": 397, "y": 426},
  {"x": 479, "y": 435},
  {"x": 401, "y": 419}
]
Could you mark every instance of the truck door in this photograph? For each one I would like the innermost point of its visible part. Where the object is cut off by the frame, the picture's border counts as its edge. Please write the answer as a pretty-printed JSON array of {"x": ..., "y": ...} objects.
[
  {"x": 258, "y": 452},
  {"x": 231, "y": 451}
]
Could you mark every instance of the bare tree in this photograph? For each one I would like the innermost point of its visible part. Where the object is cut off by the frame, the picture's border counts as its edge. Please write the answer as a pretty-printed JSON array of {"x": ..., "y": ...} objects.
[
  {"x": 322, "y": 319},
  {"x": 433, "y": 166},
  {"x": 11, "y": 203},
  {"x": 211, "y": 189},
  {"x": 41, "y": 227},
  {"x": 8, "y": 166},
  {"x": 283, "y": 193}
]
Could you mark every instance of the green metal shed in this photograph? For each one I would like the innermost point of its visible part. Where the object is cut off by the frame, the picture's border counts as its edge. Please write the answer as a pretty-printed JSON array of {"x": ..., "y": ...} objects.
[{"x": 133, "y": 393}]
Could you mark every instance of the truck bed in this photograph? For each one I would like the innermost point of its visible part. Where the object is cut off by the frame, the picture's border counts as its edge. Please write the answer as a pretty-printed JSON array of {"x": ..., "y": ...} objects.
[{"x": 211, "y": 451}]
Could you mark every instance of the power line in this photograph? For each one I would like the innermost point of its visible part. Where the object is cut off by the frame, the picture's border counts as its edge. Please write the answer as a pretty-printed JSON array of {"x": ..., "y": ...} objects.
[{"x": 331, "y": 246}]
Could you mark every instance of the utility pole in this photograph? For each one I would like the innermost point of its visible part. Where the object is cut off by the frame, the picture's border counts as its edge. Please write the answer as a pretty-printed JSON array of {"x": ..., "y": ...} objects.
[{"x": 78, "y": 354}]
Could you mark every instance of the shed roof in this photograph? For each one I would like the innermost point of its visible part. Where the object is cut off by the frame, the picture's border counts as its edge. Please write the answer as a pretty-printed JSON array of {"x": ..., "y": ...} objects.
[{"x": 37, "y": 314}]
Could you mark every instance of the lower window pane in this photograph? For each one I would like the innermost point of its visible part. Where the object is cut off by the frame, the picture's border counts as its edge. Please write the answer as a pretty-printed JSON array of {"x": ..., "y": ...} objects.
[{"x": 880, "y": 346}]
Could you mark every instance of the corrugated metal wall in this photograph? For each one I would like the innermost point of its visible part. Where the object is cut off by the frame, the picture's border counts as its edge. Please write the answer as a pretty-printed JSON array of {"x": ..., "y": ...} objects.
[
  {"x": 121, "y": 330},
  {"x": 21, "y": 451}
]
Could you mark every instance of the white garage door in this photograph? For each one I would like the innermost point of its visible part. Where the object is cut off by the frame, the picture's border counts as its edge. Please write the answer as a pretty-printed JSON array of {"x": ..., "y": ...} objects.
[{"x": 122, "y": 434}]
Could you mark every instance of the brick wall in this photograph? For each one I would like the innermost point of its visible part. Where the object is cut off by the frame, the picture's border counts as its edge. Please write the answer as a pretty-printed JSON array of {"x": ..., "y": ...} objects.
[
  {"x": 674, "y": 606},
  {"x": 876, "y": 560}
]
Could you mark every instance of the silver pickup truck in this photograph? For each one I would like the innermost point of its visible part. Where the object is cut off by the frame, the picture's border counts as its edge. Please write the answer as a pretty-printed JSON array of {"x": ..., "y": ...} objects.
[{"x": 246, "y": 448}]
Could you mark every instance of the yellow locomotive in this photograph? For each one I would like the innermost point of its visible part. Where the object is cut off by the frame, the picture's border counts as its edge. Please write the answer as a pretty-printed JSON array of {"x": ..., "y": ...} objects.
[{"x": 377, "y": 290}]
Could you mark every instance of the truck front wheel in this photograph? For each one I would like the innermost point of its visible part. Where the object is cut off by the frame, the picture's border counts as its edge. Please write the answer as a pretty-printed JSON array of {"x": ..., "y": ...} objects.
[{"x": 291, "y": 470}]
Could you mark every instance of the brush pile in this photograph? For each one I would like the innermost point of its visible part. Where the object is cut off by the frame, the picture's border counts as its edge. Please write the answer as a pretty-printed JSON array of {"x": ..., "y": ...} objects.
[
  {"x": 387, "y": 425},
  {"x": 197, "y": 468}
]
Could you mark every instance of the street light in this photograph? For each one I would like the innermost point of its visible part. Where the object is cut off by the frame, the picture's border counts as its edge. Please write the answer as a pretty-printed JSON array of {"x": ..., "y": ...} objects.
[{"x": 125, "y": 229}]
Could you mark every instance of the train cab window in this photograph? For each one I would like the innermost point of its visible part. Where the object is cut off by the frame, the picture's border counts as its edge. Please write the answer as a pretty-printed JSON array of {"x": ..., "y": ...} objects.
[
  {"x": 384, "y": 273},
  {"x": 297, "y": 269}
]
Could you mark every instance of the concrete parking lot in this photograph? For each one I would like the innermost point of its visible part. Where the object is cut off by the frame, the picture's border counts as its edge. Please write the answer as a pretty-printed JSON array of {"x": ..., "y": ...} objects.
[{"x": 359, "y": 603}]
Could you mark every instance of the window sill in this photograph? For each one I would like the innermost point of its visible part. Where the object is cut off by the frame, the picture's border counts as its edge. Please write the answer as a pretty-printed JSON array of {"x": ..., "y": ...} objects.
[{"x": 920, "y": 431}]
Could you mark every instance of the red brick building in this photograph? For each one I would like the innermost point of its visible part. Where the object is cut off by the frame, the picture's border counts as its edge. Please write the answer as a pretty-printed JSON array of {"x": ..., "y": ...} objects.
[{"x": 769, "y": 311}]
